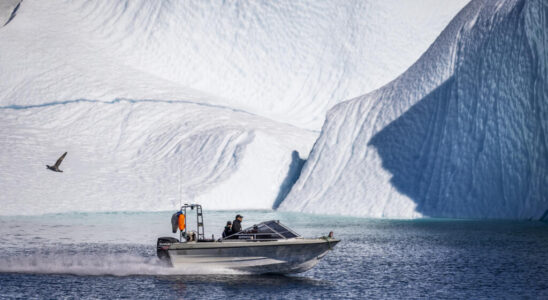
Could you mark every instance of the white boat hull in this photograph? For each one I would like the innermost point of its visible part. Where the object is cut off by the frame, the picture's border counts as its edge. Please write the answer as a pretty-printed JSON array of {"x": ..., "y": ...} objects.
[{"x": 281, "y": 257}]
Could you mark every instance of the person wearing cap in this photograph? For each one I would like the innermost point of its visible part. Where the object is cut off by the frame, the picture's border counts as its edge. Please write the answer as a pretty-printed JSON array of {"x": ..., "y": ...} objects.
[
  {"x": 237, "y": 224},
  {"x": 228, "y": 229}
]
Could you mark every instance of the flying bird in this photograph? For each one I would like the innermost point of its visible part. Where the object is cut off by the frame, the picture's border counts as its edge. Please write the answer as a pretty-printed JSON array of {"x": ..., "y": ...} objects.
[{"x": 57, "y": 163}]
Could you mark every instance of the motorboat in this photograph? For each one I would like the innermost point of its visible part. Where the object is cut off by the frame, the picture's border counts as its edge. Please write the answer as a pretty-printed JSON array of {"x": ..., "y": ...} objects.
[{"x": 267, "y": 247}]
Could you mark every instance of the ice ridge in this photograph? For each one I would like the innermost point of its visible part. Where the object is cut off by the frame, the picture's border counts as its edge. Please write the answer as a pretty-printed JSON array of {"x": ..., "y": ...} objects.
[{"x": 462, "y": 133}]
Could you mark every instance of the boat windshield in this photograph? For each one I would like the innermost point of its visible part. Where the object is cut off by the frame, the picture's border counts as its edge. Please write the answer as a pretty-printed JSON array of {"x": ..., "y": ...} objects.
[{"x": 269, "y": 230}]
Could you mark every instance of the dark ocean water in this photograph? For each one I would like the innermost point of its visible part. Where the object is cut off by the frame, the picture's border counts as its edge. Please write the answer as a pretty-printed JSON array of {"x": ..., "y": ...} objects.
[{"x": 90, "y": 256}]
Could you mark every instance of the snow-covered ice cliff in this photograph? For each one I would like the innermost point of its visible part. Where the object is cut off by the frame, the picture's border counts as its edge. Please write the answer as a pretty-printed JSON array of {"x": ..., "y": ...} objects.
[
  {"x": 462, "y": 133},
  {"x": 157, "y": 99}
]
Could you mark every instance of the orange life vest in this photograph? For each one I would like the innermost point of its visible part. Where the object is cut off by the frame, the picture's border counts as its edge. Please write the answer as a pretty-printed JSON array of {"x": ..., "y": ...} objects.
[{"x": 181, "y": 222}]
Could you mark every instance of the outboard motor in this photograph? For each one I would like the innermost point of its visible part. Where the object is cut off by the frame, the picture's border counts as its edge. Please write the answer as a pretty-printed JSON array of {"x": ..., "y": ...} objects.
[{"x": 162, "y": 246}]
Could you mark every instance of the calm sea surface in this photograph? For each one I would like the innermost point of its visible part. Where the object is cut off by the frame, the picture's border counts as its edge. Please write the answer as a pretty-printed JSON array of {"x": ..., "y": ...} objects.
[{"x": 112, "y": 255}]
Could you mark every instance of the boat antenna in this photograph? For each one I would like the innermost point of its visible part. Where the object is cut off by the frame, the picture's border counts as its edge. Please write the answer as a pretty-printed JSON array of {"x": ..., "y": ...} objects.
[{"x": 180, "y": 180}]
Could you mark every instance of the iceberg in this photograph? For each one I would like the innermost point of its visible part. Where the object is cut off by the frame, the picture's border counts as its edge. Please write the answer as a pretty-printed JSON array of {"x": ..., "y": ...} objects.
[
  {"x": 169, "y": 101},
  {"x": 461, "y": 134}
]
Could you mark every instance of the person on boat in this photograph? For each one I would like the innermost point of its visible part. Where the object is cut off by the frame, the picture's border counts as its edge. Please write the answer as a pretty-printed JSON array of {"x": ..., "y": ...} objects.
[
  {"x": 237, "y": 224},
  {"x": 255, "y": 229},
  {"x": 228, "y": 229}
]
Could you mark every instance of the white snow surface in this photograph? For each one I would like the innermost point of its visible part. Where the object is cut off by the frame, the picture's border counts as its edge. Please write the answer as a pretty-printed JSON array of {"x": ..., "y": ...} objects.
[
  {"x": 462, "y": 133},
  {"x": 159, "y": 102},
  {"x": 286, "y": 60}
]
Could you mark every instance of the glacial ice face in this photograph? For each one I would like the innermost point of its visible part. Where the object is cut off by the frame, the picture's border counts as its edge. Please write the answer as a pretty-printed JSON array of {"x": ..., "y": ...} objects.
[
  {"x": 158, "y": 101},
  {"x": 462, "y": 133}
]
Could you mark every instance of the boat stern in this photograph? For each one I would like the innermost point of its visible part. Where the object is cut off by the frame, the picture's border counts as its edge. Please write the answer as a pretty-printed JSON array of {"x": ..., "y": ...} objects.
[{"x": 162, "y": 247}]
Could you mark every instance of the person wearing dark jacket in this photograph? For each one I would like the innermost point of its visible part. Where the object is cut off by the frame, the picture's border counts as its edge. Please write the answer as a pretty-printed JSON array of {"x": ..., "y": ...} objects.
[
  {"x": 237, "y": 224},
  {"x": 228, "y": 229}
]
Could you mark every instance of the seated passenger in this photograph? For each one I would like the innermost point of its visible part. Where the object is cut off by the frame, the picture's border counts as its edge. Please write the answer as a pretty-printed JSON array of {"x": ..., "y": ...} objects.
[
  {"x": 237, "y": 224},
  {"x": 228, "y": 229}
]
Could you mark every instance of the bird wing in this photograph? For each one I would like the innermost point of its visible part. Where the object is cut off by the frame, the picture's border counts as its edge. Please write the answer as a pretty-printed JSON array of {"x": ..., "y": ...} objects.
[{"x": 60, "y": 160}]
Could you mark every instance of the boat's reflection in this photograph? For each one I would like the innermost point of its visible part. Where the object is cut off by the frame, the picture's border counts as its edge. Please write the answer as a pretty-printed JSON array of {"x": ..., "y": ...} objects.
[{"x": 184, "y": 284}]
